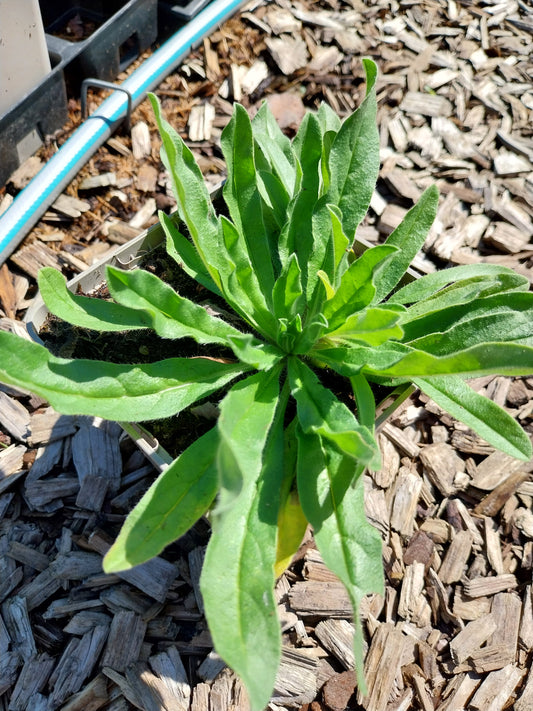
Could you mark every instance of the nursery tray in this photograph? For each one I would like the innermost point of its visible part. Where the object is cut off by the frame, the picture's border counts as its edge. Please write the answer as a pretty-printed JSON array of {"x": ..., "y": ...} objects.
[
  {"x": 39, "y": 113},
  {"x": 113, "y": 33},
  {"x": 122, "y": 31},
  {"x": 128, "y": 256}
]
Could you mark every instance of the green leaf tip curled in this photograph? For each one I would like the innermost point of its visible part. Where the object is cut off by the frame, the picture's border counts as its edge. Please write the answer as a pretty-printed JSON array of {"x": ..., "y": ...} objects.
[{"x": 290, "y": 306}]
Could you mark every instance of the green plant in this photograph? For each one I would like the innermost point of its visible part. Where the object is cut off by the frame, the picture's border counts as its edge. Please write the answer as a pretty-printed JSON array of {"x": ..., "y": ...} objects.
[{"x": 285, "y": 450}]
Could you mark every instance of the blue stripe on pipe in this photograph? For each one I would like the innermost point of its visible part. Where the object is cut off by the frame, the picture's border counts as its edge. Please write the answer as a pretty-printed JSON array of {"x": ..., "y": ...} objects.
[{"x": 32, "y": 202}]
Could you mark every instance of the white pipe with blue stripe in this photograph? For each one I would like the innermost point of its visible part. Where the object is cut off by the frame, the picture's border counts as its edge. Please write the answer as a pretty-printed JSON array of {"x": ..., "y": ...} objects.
[{"x": 32, "y": 202}]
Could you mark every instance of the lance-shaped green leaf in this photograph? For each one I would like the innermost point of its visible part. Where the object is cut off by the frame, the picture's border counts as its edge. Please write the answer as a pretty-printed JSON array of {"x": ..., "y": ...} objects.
[
  {"x": 364, "y": 400},
  {"x": 330, "y": 124},
  {"x": 288, "y": 299},
  {"x": 186, "y": 255},
  {"x": 275, "y": 198},
  {"x": 298, "y": 237},
  {"x": 84, "y": 311},
  {"x": 357, "y": 289},
  {"x": 115, "y": 392},
  {"x": 238, "y": 574},
  {"x": 517, "y": 326},
  {"x": 292, "y": 525},
  {"x": 179, "y": 496},
  {"x": 350, "y": 359},
  {"x": 276, "y": 148},
  {"x": 337, "y": 249},
  {"x": 372, "y": 327},
  {"x": 253, "y": 352},
  {"x": 321, "y": 413},
  {"x": 428, "y": 286},
  {"x": 242, "y": 195},
  {"x": 482, "y": 359},
  {"x": 463, "y": 292},
  {"x": 292, "y": 522},
  {"x": 484, "y": 416},
  {"x": 170, "y": 315},
  {"x": 330, "y": 486},
  {"x": 409, "y": 236},
  {"x": 466, "y": 293},
  {"x": 328, "y": 119},
  {"x": 354, "y": 159},
  {"x": 518, "y": 302},
  {"x": 192, "y": 196},
  {"x": 240, "y": 284},
  {"x": 340, "y": 243}
]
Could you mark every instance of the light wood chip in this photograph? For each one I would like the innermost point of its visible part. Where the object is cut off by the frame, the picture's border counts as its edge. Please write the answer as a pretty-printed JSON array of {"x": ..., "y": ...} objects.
[
  {"x": 471, "y": 638},
  {"x": 337, "y": 637},
  {"x": 49, "y": 426},
  {"x": 289, "y": 53},
  {"x": 322, "y": 599},
  {"x": 496, "y": 688},
  {"x": 407, "y": 489},
  {"x": 11, "y": 461},
  {"x": 497, "y": 498},
  {"x": 526, "y": 623},
  {"x": 478, "y": 587},
  {"x": 382, "y": 666},
  {"x": 172, "y": 684},
  {"x": 415, "y": 102},
  {"x": 98, "y": 181},
  {"x": 143, "y": 216},
  {"x": 524, "y": 701},
  {"x": 442, "y": 465},
  {"x": 458, "y": 691},
  {"x": 141, "y": 144},
  {"x": 200, "y": 697},
  {"x": 70, "y": 206},
  {"x": 296, "y": 681},
  {"x": 92, "y": 697},
  {"x": 456, "y": 558}
]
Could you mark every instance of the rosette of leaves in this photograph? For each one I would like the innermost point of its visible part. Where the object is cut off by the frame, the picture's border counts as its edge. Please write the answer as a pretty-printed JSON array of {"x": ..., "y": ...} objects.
[{"x": 285, "y": 450}]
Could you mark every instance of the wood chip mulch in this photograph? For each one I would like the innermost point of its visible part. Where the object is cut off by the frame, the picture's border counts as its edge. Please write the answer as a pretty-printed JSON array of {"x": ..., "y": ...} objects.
[{"x": 454, "y": 629}]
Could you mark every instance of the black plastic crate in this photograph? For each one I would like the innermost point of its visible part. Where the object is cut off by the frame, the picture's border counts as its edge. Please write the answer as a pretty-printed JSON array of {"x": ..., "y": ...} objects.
[
  {"x": 113, "y": 34},
  {"x": 174, "y": 13},
  {"x": 41, "y": 112},
  {"x": 118, "y": 31}
]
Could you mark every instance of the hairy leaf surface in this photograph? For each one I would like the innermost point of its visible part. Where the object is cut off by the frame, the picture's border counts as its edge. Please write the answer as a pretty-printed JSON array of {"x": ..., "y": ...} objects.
[
  {"x": 115, "y": 392},
  {"x": 409, "y": 236},
  {"x": 238, "y": 575},
  {"x": 179, "y": 496},
  {"x": 320, "y": 412},
  {"x": 186, "y": 255},
  {"x": 85, "y": 311},
  {"x": 478, "y": 412},
  {"x": 357, "y": 286},
  {"x": 242, "y": 196},
  {"x": 194, "y": 203},
  {"x": 170, "y": 315},
  {"x": 426, "y": 287},
  {"x": 331, "y": 494},
  {"x": 354, "y": 159}
]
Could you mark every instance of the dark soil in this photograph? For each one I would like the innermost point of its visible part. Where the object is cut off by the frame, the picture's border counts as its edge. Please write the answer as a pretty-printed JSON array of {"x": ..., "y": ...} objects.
[{"x": 144, "y": 346}]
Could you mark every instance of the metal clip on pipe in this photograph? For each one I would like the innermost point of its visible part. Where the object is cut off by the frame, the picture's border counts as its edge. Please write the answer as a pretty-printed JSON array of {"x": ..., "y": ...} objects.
[{"x": 101, "y": 84}]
